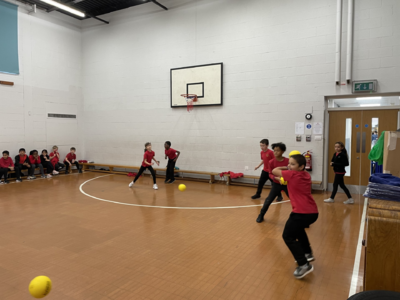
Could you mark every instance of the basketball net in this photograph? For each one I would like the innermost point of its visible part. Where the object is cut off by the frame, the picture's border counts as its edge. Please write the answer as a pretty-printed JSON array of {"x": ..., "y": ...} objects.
[{"x": 190, "y": 98}]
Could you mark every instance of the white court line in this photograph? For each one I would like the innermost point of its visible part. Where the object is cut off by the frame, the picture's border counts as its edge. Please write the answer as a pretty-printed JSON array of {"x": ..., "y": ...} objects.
[
  {"x": 172, "y": 207},
  {"x": 356, "y": 268}
]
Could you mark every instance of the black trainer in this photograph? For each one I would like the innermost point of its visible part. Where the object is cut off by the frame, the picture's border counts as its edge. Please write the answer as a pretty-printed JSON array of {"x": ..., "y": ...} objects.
[
  {"x": 172, "y": 181},
  {"x": 80, "y": 171},
  {"x": 279, "y": 199},
  {"x": 6, "y": 182},
  {"x": 256, "y": 196},
  {"x": 302, "y": 271},
  {"x": 166, "y": 180},
  {"x": 260, "y": 218},
  {"x": 66, "y": 172}
]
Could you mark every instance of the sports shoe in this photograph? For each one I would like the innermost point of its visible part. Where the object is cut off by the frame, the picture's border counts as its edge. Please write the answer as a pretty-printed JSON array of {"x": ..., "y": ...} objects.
[
  {"x": 80, "y": 171},
  {"x": 256, "y": 196},
  {"x": 66, "y": 172},
  {"x": 18, "y": 180},
  {"x": 6, "y": 182},
  {"x": 1, "y": 182},
  {"x": 172, "y": 181},
  {"x": 303, "y": 270},
  {"x": 166, "y": 180},
  {"x": 33, "y": 177},
  {"x": 55, "y": 172},
  {"x": 131, "y": 184},
  {"x": 309, "y": 256},
  {"x": 30, "y": 178},
  {"x": 330, "y": 200},
  {"x": 155, "y": 187},
  {"x": 349, "y": 201},
  {"x": 260, "y": 218},
  {"x": 43, "y": 176},
  {"x": 49, "y": 176},
  {"x": 279, "y": 199}
]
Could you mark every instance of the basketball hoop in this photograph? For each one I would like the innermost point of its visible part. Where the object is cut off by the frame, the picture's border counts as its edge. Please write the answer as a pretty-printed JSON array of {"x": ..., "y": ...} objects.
[{"x": 190, "y": 98}]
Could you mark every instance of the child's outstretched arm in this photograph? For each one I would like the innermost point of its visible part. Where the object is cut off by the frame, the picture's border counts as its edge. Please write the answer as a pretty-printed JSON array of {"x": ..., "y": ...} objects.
[
  {"x": 157, "y": 162},
  {"x": 278, "y": 171},
  {"x": 261, "y": 163},
  {"x": 179, "y": 153}
]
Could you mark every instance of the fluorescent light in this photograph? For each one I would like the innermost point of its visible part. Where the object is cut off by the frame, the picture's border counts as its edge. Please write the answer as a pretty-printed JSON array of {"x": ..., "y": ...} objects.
[
  {"x": 64, "y": 7},
  {"x": 365, "y": 105},
  {"x": 365, "y": 98}
]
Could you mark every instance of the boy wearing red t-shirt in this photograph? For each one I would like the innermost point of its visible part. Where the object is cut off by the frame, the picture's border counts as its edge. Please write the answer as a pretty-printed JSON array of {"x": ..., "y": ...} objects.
[
  {"x": 6, "y": 164},
  {"x": 172, "y": 155},
  {"x": 277, "y": 188},
  {"x": 266, "y": 156},
  {"x": 147, "y": 164},
  {"x": 35, "y": 161},
  {"x": 70, "y": 159},
  {"x": 304, "y": 213}
]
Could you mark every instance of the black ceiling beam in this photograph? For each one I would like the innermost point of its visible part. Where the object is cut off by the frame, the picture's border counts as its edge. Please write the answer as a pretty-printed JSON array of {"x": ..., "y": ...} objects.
[
  {"x": 159, "y": 4},
  {"x": 94, "y": 17}
]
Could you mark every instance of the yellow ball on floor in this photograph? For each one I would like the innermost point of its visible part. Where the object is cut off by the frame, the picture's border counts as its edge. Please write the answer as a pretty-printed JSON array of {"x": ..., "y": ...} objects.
[
  {"x": 182, "y": 187},
  {"x": 40, "y": 286}
]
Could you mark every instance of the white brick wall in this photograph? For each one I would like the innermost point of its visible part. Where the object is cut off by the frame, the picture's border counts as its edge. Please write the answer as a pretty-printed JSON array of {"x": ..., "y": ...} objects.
[
  {"x": 50, "y": 77},
  {"x": 278, "y": 65}
]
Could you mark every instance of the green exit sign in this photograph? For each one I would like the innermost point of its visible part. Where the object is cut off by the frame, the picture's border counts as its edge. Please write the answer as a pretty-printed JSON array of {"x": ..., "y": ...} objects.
[{"x": 364, "y": 86}]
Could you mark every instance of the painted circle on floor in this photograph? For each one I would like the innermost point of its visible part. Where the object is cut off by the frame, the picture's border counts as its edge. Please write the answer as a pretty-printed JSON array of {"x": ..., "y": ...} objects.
[{"x": 169, "y": 207}]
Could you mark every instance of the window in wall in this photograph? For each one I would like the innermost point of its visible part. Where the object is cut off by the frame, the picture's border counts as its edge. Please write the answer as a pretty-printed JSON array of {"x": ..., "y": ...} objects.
[{"x": 8, "y": 38}]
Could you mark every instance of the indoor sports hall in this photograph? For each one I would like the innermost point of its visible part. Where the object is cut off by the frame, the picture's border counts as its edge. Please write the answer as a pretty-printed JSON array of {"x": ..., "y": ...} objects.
[{"x": 199, "y": 149}]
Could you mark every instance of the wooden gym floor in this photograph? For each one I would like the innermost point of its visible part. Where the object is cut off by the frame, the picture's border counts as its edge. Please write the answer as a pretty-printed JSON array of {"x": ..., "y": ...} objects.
[{"x": 92, "y": 249}]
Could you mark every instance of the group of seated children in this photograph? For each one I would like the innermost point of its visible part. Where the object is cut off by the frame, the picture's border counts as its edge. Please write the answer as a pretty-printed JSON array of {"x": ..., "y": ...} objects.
[{"x": 32, "y": 161}]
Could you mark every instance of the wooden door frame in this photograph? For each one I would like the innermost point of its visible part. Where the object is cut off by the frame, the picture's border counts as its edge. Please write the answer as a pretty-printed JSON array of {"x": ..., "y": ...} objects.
[{"x": 325, "y": 168}]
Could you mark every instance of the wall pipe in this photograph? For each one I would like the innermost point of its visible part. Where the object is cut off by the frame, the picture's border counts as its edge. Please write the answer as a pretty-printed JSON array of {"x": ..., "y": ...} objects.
[
  {"x": 350, "y": 26},
  {"x": 338, "y": 41}
]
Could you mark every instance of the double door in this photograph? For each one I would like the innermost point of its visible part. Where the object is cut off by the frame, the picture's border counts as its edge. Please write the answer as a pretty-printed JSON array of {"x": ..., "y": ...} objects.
[{"x": 358, "y": 130}]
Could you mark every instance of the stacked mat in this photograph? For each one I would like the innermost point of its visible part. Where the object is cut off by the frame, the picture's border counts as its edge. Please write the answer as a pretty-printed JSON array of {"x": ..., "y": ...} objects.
[{"x": 383, "y": 186}]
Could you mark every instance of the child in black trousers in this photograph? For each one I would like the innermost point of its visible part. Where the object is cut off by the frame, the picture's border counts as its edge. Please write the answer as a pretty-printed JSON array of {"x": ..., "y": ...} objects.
[
  {"x": 6, "y": 164},
  {"x": 339, "y": 162},
  {"x": 172, "y": 158},
  {"x": 147, "y": 164},
  {"x": 277, "y": 187},
  {"x": 304, "y": 213}
]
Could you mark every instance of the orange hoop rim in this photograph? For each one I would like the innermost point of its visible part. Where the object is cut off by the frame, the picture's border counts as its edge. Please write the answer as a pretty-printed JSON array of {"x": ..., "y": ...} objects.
[{"x": 192, "y": 97}]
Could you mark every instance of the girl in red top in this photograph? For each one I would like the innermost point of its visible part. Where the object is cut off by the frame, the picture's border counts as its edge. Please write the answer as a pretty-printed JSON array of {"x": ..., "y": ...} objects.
[
  {"x": 266, "y": 156},
  {"x": 147, "y": 164},
  {"x": 55, "y": 159},
  {"x": 304, "y": 213},
  {"x": 277, "y": 188}
]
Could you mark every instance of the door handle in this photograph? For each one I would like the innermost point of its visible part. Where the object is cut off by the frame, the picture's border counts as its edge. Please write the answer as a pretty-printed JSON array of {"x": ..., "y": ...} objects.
[
  {"x": 364, "y": 137},
  {"x": 358, "y": 143}
]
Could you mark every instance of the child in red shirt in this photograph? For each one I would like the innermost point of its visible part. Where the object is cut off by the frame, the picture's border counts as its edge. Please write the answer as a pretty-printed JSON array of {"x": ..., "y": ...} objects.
[
  {"x": 266, "y": 156},
  {"x": 35, "y": 161},
  {"x": 71, "y": 159},
  {"x": 147, "y": 164},
  {"x": 6, "y": 164},
  {"x": 173, "y": 156},
  {"x": 55, "y": 159},
  {"x": 304, "y": 213},
  {"x": 277, "y": 188}
]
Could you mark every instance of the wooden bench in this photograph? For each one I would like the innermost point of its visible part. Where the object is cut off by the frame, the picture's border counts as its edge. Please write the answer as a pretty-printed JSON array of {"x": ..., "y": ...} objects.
[
  {"x": 111, "y": 168},
  {"x": 230, "y": 182}
]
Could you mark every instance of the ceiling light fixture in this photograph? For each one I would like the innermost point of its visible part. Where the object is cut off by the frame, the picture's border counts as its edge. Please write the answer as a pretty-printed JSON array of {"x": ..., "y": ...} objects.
[
  {"x": 64, "y": 7},
  {"x": 365, "y": 105},
  {"x": 365, "y": 98}
]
